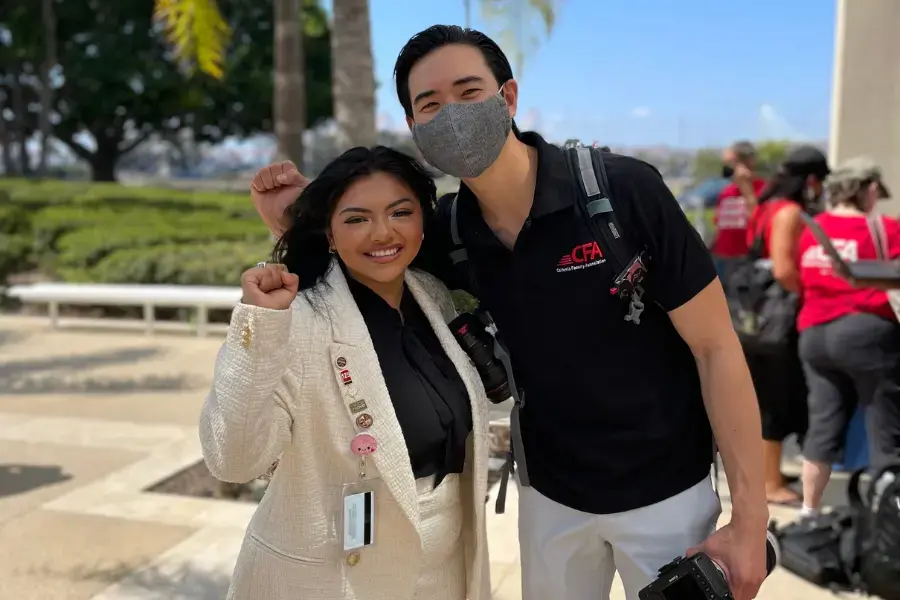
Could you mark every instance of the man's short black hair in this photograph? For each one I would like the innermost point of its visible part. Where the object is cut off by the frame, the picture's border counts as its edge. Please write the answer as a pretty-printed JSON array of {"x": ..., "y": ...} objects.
[{"x": 438, "y": 36}]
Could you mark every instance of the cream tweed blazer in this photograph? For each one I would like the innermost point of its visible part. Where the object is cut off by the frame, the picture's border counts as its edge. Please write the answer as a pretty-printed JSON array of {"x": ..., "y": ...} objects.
[{"x": 277, "y": 394}]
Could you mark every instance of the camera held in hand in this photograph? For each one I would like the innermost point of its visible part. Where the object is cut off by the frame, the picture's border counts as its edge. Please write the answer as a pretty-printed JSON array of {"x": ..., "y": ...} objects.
[
  {"x": 699, "y": 577},
  {"x": 472, "y": 334}
]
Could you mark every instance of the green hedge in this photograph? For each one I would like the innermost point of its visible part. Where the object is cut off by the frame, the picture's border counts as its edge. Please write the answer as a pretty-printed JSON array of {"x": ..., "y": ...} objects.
[{"x": 81, "y": 231}]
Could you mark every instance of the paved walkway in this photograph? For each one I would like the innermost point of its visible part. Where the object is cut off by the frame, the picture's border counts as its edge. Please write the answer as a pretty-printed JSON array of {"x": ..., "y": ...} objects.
[{"x": 90, "y": 419}]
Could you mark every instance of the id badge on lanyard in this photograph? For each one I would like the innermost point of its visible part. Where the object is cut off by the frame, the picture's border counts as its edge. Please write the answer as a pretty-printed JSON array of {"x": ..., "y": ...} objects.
[
  {"x": 358, "y": 499},
  {"x": 358, "y": 522}
]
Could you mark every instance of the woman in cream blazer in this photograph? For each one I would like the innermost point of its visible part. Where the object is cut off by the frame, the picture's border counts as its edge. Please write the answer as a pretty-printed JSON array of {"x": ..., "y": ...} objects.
[{"x": 298, "y": 381}]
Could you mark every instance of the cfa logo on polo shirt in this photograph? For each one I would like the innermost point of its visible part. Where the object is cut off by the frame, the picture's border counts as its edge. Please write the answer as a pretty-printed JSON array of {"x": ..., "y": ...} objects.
[{"x": 582, "y": 256}]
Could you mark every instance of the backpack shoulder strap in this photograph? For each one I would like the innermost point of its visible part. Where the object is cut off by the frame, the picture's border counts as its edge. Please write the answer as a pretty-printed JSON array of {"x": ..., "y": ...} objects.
[
  {"x": 879, "y": 236},
  {"x": 855, "y": 498},
  {"x": 459, "y": 255},
  {"x": 597, "y": 208},
  {"x": 589, "y": 172}
]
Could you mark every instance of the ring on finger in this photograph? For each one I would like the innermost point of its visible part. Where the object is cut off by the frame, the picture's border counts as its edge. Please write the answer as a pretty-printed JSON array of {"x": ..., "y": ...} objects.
[{"x": 261, "y": 265}]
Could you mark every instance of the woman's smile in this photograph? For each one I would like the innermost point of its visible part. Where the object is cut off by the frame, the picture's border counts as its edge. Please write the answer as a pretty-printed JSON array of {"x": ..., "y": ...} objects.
[{"x": 386, "y": 254}]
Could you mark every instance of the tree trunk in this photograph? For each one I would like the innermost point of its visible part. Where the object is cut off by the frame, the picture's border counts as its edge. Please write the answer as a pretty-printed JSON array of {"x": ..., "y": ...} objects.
[
  {"x": 103, "y": 168},
  {"x": 353, "y": 77},
  {"x": 46, "y": 86},
  {"x": 104, "y": 159},
  {"x": 9, "y": 166},
  {"x": 19, "y": 128},
  {"x": 289, "y": 102}
]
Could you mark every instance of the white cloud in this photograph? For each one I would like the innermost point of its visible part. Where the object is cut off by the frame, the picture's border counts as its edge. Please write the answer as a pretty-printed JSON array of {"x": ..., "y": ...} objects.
[
  {"x": 529, "y": 121},
  {"x": 640, "y": 112},
  {"x": 773, "y": 126}
]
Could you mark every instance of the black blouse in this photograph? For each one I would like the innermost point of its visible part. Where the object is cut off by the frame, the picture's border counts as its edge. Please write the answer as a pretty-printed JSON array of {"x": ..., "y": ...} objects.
[{"x": 429, "y": 397}]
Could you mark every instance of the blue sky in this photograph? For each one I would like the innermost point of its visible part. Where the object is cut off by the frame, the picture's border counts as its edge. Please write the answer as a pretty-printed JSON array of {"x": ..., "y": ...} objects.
[{"x": 646, "y": 72}]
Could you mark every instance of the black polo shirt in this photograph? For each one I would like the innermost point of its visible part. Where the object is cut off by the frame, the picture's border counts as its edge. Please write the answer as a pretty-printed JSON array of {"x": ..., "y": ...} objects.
[
  {"x": 614, "y": 417},
  {"x": 429, "y": 397}
]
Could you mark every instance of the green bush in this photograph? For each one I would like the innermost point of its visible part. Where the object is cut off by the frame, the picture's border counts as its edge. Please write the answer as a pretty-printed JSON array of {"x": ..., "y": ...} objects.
[
  {"x": 215, "y": 263},
  {"x": 37, "y": 194},
  {"x": 15, "y": 238},
  {"x": 84, "y": 247},
  {"x": 82, "y": 231}
]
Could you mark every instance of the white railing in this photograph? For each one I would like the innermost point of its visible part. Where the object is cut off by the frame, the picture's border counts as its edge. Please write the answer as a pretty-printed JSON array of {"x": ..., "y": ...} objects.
[{"x": 199, "y": 298}]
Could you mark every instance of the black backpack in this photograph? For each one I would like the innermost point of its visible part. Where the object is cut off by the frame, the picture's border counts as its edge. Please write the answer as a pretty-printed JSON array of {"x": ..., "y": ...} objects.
[
  {"x": 764, "y": 314},
  {"x": 630, "y": 261},
  {"x": 851, "y": 548},
  {"x": 820, "y": 549},
  {"x": 877, "y": 556}
]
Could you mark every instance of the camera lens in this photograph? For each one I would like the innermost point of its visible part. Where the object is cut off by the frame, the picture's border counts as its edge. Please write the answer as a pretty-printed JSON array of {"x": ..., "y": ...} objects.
[{"x": 469, "y": 331}]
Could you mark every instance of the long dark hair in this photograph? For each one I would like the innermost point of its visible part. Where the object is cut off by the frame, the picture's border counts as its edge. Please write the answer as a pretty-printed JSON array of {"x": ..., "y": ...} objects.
[
  {"x": 303, "y": 248},
  {"x": 786, "y": 186},
  {"x": 789, "y": 182}
]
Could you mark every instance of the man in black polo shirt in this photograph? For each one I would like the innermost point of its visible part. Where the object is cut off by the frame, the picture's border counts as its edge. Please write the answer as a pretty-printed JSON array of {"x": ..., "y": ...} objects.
[{"x": 616, "y": 417}]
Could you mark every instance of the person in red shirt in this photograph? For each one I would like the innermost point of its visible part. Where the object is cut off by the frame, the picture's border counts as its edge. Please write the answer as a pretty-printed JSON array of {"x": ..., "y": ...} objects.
[
  {"x": 735, "y": 202},
  {"x": 773, "y": 233},
  {"x": 849, "y": 336}
]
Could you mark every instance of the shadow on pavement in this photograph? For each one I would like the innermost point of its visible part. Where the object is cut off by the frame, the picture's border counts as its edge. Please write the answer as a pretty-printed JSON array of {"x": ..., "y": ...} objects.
[
  {"x": 153, "y": 583},
  {"x": 9, "y": 337},
  {"x": 18, "y": 479},
  {"x": 77, "y": 361},
  {"x": 42, "y": 376}
]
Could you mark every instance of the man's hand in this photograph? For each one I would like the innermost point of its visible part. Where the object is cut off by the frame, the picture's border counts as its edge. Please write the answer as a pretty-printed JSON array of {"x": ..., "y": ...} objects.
[
  {"x": 270, "y": 286},
  {"x": 741, "y": 554},
  {"x": 743, "y": 179},
  {"x": 273, "y": 189},
  {"x": 742, "y": 174}
]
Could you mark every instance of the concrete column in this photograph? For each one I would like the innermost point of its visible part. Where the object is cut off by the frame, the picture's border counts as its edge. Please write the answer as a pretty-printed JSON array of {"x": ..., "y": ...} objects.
[{"x": 865, "y": 103}]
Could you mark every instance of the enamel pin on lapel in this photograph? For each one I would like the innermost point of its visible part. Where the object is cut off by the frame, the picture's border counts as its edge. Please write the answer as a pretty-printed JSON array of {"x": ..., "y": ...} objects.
[
  {"x": 345, "y": 377},
  {"x": 341, "y": 362},
  {"x": 358, "y": 406},
  {"x": 363, "y": 444},
  {"x": 364, "y": 421}
]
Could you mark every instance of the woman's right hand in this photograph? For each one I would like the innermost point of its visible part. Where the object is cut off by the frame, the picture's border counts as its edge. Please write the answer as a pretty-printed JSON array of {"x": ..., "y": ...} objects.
[{"x": 269, "y": 286}]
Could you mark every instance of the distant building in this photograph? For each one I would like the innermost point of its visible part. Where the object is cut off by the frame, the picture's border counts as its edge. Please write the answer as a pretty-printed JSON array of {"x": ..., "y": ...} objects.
[{"x": 865, "y": 110}]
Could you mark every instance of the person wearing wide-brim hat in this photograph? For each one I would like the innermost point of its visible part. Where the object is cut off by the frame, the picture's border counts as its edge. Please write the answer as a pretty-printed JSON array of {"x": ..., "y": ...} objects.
[
  {"x": 857, "y": 180},
  {"x": 849, "y": 336}
]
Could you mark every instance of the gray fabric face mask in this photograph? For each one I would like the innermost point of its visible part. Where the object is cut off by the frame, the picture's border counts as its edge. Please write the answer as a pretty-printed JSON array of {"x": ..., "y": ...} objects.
[{"x": 465, "y": 138}]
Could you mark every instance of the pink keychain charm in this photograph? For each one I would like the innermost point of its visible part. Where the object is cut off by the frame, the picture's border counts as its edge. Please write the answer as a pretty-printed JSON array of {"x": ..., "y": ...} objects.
[{"x": 363, "y": 444}]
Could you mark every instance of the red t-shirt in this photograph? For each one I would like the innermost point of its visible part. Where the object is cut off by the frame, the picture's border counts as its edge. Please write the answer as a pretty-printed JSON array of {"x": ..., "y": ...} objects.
[
  {"x": 761, "y": 222},
  {"x": 730, "y": 218},
  {"x": 827, "y": 297}
]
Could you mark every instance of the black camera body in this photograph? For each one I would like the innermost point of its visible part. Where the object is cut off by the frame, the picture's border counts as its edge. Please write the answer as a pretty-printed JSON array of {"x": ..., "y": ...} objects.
[
  {"x": 699, "y": 578},
  {"x": 693, "y": 578},
  {"x": 471, "y": 331}
]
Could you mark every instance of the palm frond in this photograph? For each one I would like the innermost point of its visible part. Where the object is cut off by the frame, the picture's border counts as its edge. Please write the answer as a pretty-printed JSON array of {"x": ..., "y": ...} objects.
[
  {"x": 515, "y": 20},
  {"x": 197, "y": 31}
]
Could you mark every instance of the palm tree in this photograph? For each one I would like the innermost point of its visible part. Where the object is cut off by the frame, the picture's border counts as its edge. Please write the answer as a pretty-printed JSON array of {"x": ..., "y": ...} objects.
[
  {"x": 45, "y": 126},
  {"x": 516, "y": 19},
  {"x": 353, "y": 76},
  {"x": 200, "y": 36},
  {"x": 289, "y": 99},
  {"x": 197, "y": 31}
]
